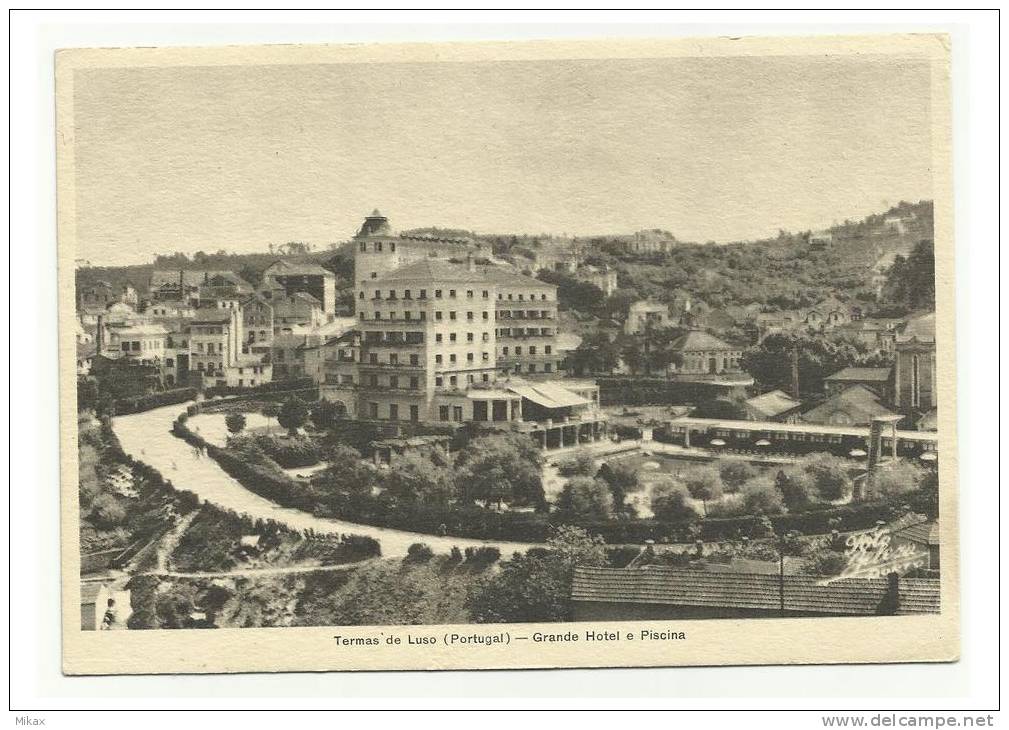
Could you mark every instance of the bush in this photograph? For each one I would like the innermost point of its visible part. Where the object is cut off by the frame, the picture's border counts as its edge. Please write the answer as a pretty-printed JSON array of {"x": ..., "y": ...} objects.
[
  {"x": 419, "y": 552},
  {"x": 483, "y": 555},
  {"x": 761, "y": 497},
  {"x": 582, "y": 464},
  {"x": 107, "y": 512},
  {"x": 898, "y": 478},
  {"x": 671, "y": 502},
  {"x": 289, "y": 451},
  {"x": 585, "y": 497},
  {"x": 235, "y": 422},
  {"x": 830, "y": 474},
  {"x": 824, "y": 562},
  {"x": 142, "y": 403},
  {"x": 735, "y": 473}
]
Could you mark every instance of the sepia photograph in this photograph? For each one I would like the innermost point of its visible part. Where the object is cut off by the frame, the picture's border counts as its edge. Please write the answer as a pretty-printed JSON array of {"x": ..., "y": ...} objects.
[{"x": 507, "y": 348}]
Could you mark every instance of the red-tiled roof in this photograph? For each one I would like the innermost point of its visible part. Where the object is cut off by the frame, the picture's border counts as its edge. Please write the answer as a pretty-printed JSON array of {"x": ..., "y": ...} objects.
[{"x": 682, "y": 587}]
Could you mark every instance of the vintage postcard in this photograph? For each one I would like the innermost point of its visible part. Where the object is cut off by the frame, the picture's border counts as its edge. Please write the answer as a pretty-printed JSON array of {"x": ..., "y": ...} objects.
[{"x": 507, "y": 355}]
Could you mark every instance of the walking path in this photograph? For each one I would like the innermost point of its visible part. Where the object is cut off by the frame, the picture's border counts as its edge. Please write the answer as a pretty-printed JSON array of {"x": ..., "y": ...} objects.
[
  {"x": 147, "y": 437},
  {"x": 255, "y": 572}
]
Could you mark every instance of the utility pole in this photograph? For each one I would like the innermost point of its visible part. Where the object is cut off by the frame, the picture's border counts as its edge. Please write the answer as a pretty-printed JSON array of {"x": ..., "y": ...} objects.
[
  {"x": 781, "y": 574},
  {"x": 795, "y": 372}
]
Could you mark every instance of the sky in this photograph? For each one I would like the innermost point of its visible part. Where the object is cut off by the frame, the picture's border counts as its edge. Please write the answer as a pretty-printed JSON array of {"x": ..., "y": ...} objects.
[{"x": 235, "y": 158}]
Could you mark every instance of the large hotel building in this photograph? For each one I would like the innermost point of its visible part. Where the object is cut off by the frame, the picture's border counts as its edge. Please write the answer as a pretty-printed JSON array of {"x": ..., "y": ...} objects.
[{"x": 443, "y": 335}]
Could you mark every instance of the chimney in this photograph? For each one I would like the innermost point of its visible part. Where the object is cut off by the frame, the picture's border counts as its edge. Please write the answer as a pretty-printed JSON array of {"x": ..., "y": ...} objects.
[
  {"x": 100, "y": 336},
  {"x": 470, "y": 263},
  {"x": 889, "y": 605}
]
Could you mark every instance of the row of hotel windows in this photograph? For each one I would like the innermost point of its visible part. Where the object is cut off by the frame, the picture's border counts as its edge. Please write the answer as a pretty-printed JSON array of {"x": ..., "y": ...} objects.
[
  {"x": 452, "y": 294},
  {"x": 523, "y": 332},
  {"x": 485, "y": 356},
  {"x": 394, "y": 412},
  {"x": 547, "y": 350},
  {"x": 422, "y": 294},
  {"x": 548, "y": 367},
  {"x": 470, "y": 316}
]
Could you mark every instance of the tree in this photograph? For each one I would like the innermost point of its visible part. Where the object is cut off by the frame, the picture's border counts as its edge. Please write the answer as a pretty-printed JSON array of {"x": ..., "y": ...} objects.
[
  {"x": 270, "y": 410},
  {"x": 325, "y": 413},
  {"x": 797, "y": 488},
  {"x": 621, "y": 478},
  {"x": 586, "y": 498},
  {"x": 574, "y": 294},
  {"x": 670, "y": 501},
  {"x": 830, "y": 474},
  {"x": 651, "y": 350},
  {"x": 292, "y": 415},
  {"x": 898, "y": 478},
  {"x": 760, "y": 496},
  {"x": 535, "y": 586},
  {"x": 346, "y": 474},
  {"x": 910, "y": 282},
  {"x": 235, "y": 422},
  {"x": 770, "y": 362},
  {"x": 499, "y": 468},
  {"x": 735, "y": 473},
  {"x": 415, "y": 478},
  {"x": 596, "y": 353},
  {"x": 703, "y": 483}
]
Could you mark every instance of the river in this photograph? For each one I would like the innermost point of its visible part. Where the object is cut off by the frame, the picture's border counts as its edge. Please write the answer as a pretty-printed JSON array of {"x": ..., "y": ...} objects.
[{"x": 147, "y": 437}]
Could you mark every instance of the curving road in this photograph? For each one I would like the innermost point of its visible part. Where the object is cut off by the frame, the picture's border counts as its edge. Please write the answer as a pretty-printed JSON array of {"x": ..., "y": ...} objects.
[{"x": 147, "y": 437}]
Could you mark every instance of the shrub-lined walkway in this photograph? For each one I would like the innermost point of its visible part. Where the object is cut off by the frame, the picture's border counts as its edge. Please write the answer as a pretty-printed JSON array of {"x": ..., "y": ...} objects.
[{"x": 147, "y": 437}]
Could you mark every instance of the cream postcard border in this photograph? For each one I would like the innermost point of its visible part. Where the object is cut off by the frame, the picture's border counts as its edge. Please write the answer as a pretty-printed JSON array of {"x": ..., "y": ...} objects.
[{"x": 708, "y": 642}]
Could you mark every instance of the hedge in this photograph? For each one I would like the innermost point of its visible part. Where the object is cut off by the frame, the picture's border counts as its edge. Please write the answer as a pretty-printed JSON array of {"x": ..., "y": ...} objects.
[
  {"x": 140, "y": 403},
  {"x": 272, "y": 387},
  {"x": 471, "y": 521}
]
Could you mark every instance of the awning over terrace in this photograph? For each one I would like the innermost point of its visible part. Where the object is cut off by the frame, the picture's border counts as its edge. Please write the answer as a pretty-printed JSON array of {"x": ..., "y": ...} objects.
[{"x": 549, "y": 395}]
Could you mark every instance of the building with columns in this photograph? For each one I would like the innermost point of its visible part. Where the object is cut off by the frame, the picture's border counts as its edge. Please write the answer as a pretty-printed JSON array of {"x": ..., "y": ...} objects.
[{"x": 915, "y": 367}]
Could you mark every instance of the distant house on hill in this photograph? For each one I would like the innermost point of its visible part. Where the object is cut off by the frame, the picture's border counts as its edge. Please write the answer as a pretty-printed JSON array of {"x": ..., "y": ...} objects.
[
  {"x": 775, "y": 405},
  {"x": 650, "y": 242},
  {"x": 853, "y": 406},
  {"x": 642, "y": 315},
  {"x": 821, "y": 240},
  {"x": 875, "y": 334},
  {"x": 601, "y": 277}
]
